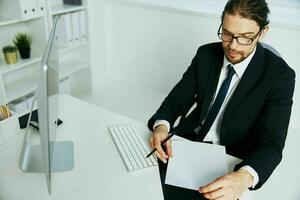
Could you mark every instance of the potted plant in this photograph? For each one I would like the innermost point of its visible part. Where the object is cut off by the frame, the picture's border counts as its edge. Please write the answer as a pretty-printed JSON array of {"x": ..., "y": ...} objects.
[
  {"x": 23, "y": 41},
  {"x": 10, "y": 54}
]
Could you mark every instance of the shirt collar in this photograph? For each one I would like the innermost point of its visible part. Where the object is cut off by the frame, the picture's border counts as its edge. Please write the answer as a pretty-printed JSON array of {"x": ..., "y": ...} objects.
[{"x": 240, "y": 68}]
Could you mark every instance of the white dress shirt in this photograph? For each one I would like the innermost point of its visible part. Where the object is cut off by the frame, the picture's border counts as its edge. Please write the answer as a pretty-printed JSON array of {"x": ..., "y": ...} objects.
[{"x": 213, "y": 133}]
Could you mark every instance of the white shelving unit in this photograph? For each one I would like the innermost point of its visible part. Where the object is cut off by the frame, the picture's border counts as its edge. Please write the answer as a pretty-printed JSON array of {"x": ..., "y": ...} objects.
[
  {"x": 7, "y": 20},
  {"x": 22, "y": 63},
  {"x": 72, "y": 67},
  {"x": 20, "y": 88},
  {"x": 61, "y": 8},
  {"x": 19, "y": 80}
]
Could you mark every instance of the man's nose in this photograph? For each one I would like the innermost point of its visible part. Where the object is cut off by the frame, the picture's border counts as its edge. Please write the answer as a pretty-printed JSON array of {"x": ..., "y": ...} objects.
[{"x": 233, "y": 44}]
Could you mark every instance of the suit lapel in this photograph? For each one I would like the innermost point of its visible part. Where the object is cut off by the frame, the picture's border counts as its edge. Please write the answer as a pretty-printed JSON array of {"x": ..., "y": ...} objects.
[
  {"x": 249, "y": 78},
  {"x": 212, "y": 80}
]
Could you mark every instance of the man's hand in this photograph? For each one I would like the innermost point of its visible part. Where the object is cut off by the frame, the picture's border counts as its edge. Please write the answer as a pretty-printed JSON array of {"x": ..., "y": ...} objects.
[
  {"x": 159, "y": 134},
  {"x": 228, "y": 187}
]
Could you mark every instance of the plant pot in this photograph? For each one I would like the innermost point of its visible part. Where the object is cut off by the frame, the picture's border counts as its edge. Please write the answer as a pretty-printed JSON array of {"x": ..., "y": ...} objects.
[
  {"x": 10, "y": 57},
  {"x": 24, "y": 52}
]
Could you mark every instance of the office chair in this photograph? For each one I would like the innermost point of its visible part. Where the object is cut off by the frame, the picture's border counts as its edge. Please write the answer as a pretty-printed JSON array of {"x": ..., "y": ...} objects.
[{"x": 267, "y": 46}]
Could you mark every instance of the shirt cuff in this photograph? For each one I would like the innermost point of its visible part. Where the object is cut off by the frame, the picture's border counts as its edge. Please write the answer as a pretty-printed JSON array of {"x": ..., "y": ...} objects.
[
  {"x": 253, "y": 173},
  {"x": 161, "y": 121}
]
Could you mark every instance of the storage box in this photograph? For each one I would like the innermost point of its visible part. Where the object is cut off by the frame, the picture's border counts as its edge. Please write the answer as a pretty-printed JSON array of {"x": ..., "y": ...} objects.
[
  {"x": 18, "y": 105},
  {"x": 9, "y": 127}
]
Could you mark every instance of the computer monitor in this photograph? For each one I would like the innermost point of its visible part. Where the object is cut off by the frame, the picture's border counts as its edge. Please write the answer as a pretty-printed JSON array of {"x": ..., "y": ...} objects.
[{"x": 49, "y": 155}]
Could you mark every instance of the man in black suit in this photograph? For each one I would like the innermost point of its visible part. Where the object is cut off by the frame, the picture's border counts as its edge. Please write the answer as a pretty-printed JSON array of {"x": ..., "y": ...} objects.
[{"x": 243, "y": 94}]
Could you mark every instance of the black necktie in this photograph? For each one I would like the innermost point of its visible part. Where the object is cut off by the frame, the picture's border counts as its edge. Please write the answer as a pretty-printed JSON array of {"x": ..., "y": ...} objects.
[{"x": 213, "y": 112}]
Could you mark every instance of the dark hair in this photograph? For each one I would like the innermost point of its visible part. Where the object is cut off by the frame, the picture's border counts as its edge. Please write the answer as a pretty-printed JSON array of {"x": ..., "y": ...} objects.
[{"x": 256, "y": 10}]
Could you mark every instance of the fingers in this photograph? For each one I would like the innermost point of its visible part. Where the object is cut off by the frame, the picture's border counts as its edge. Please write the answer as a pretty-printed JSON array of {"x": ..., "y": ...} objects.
[
  {"x": 214, "y": 194},
  {"x": 221, "y": 198},
  {"x": 159, "y": 151},
  {"x": 151, "y": 143},
  {"x": 229, "y": 186},
  {"x": 217, "y": 184},
  {"x": 169, "y": 148},
  {"x": 155, "y": 142}
]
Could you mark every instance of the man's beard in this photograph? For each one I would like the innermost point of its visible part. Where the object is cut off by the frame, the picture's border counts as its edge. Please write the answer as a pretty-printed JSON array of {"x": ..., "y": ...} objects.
[{"x": 241, "y": 55}]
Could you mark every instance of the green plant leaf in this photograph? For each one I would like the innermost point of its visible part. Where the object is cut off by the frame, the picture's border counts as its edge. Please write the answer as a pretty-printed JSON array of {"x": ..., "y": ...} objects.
[
  {"x": 9, "y": 49},
  {"x": 22, "y": 40}
]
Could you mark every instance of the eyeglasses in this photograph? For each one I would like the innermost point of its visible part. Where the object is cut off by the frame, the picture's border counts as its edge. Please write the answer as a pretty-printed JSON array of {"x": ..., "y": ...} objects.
[{"x": 240, "y": 39}]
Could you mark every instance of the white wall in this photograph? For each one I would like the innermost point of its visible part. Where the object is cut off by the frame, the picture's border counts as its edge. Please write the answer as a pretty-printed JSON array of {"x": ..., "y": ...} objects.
[
  {"x": 96, "y": 20},
  {"x": 153, "y": 47}
]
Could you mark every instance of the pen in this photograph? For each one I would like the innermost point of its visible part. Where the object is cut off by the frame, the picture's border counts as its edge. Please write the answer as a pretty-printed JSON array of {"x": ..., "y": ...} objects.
[
  {"x": 2, "y": 112},
  {"x": 7, "y": 110},
  {"x": 162, "y": 142},
  {"x": 5, "y": 113}
]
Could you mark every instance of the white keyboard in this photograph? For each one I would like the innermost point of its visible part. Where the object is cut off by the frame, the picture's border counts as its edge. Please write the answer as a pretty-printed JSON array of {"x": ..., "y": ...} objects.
[{"x": 131, "y": 147}]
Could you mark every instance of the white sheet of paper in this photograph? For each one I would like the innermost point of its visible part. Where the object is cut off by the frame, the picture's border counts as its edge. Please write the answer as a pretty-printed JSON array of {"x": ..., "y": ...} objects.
[{"x": 195, "y": 164}]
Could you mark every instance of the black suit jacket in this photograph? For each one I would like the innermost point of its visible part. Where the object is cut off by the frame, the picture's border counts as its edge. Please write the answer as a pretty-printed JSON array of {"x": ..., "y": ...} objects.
[{"x": 255, "y": 122}]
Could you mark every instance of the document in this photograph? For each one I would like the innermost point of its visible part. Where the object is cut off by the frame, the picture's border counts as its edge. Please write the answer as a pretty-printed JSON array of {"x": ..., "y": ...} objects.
[
  {"x": 76, "y": 27},
  {"x": 195, "y": 164},
  {"x": 82, "y": 24},
  {"x": 64, "y": 33}
]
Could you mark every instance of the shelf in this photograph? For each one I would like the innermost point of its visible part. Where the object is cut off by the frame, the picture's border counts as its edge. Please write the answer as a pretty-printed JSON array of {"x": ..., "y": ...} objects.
[
  {"x": 5, "y": 68},
  {"x": 73, "y": 47},
  {"x": 70, "y": 67},
  {"x": 7, "y": 20},
  {"x": 60, "y": 9},
  {"x": 20, "y": 79},
  {"x": 20, "y": 88}
]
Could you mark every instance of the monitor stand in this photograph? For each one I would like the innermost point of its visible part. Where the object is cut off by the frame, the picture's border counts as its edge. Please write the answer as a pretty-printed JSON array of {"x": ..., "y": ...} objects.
[{"x": 31, "y": 160}]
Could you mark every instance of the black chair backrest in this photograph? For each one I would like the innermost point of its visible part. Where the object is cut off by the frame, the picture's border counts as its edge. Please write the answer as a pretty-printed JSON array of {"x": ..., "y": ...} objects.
[{"x": 267, "y": 46}]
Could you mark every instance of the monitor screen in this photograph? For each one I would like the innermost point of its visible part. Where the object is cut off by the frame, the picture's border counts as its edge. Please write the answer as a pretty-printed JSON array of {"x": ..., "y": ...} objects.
[
  {"x": 47, "y": 102},
  {"x": 50, "y": 155}
]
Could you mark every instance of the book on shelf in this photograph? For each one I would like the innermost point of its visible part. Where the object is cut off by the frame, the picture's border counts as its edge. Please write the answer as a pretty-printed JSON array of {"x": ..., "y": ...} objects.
[
  {"x": 23, "y": 9},
  {"x": 76, "y": 27},
  {"x": 64, "y": 34},
  {"x": 82, "y": 24},
  {"x": 71, "y": 30}
]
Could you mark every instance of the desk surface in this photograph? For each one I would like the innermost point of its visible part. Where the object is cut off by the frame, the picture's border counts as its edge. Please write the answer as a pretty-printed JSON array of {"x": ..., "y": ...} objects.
[{"x": 99, "y": 172}]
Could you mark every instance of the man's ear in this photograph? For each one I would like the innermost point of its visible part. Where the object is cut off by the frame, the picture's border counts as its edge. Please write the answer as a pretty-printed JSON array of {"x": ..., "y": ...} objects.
[{"x": 263, "y": 32}]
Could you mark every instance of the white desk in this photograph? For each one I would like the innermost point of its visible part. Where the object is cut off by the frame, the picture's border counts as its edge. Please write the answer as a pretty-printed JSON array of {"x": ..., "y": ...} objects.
[{"x": 99, "y": 172}]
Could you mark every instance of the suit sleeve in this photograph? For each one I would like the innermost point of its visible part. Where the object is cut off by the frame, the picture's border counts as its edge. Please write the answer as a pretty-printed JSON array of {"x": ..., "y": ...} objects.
[
  {"x": 180, "y": 98},
  {"x": 272, "y": 128}
]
